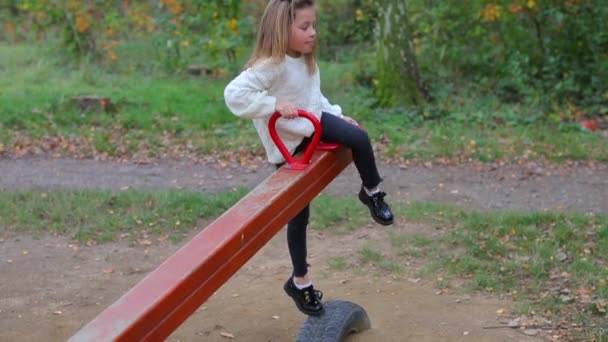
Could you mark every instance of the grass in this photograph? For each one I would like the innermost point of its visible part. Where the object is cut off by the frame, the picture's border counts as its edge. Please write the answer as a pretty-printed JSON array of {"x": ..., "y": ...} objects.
[
  {"x": 371, "y": 255},
  {"x": 96, "y": 216},
  {"x": 533, "y": 257},
  {"x": 327, "y": 214},
  {"x": 102, "y": 216},
  {"x": 155, "y": 110},
  {"x": 338, "y": 263}
]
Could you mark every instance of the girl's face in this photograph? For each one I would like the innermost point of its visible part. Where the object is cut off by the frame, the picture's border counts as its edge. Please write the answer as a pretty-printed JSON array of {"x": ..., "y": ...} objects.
[{"x": 303, "y": 32}]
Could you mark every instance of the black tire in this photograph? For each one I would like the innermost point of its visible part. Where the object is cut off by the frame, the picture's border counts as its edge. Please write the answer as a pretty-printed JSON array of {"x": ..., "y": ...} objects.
[{"x": 341, "y": 318}]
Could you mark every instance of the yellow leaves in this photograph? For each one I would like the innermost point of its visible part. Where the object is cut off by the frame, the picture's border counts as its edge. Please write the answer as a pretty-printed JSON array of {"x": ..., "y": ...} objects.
[
  {"x": 72, "y": 5},
  {"x": 110, "y": 32},
  {"x": 359, "y": 16},
  {"x": 174, "y": 6},
  {"x": 491, "y": 12},
  {"x": 110, "y": 55},
  {"x": 82, "y": 23},
  {"x": 519, "y": 6},
  {"x": 25, "y": 6},
  {"x": 233, "y": 26}
]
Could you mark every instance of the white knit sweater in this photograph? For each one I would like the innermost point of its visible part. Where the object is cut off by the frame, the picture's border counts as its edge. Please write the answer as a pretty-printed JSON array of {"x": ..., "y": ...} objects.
[{"x": 253, "y": 95}]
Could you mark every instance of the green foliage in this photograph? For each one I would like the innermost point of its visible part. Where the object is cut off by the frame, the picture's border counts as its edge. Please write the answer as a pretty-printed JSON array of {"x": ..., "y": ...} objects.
[
  {"x": 181, "y": 31},
  {"x": 517, "y": 49},
  {"x": 345, "y": 23},
  {"x": 214, "y": 29},
  {"x": 398, "y": 79}
]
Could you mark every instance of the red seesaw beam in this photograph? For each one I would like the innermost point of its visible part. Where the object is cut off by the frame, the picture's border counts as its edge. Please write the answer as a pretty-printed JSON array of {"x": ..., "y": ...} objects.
[{"x": 163, "y": 300}]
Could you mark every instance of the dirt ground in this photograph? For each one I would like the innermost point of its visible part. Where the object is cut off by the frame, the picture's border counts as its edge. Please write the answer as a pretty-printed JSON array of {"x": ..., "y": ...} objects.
[{"x": 51, "y": 287}]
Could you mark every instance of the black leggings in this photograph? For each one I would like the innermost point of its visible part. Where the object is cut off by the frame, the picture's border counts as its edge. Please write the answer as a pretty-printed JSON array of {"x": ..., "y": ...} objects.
[{"x": 335, "y": 130}]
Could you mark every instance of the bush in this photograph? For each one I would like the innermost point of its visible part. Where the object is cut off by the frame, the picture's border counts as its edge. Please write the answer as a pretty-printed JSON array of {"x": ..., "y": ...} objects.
[{"x": 514, "y": 48}]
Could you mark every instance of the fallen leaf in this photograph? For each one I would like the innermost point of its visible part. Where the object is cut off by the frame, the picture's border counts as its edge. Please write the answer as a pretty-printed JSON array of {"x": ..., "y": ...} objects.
[
  {"x": 531, "y": 332},
  {"x": 57, "y": 312},
  {"x": 500, "y": 311},
  {"x": 584, "y": 295},
  {"x": 514, "y": 323},
  {"x": 275, "y": 317},
  {"x": 226, "y": 335}
]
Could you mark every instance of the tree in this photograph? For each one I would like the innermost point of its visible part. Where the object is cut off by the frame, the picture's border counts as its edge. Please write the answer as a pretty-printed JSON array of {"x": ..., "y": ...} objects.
[{"x": 398, "y": 76}]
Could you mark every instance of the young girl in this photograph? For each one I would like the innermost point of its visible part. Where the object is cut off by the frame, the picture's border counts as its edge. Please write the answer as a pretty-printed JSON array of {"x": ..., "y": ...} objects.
[{"x": 282, "y": 76}]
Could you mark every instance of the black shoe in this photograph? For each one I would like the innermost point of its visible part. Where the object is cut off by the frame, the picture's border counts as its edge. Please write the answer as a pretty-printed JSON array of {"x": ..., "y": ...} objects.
[
  {"x": 308, "y": 300},
  {"x": 379, "y": 210}
]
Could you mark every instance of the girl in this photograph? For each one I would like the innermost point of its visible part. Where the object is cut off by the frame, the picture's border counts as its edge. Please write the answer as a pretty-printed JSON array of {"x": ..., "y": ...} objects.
[{"x": 282, "y": 76}]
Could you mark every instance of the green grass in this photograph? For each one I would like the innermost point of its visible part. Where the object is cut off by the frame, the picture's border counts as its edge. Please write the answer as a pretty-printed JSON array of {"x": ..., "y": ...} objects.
[
  {"x": 338, "y": 263},
  {"x": 156, "y": 109},
  {"x": 37, "y": 90},
  {"x": 338, "y": 216},
  {"x": 527, "y": 255},
  {"x": 371, "y": 255},
  {"x": 103, "y": 216}
]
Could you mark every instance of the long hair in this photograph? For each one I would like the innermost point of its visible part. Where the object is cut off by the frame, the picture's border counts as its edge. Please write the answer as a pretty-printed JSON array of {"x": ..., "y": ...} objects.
[{"x": 274, "y": 31}]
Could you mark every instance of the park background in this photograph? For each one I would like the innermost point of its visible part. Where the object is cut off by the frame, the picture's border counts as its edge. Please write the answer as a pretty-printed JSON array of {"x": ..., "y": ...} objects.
[{"x": 446, "y": 83}]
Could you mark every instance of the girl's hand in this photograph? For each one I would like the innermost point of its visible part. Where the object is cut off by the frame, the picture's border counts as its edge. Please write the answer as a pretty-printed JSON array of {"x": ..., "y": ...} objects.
[
  {"x": 351, "y": 120},
  {"x": 286, "y": 109}
]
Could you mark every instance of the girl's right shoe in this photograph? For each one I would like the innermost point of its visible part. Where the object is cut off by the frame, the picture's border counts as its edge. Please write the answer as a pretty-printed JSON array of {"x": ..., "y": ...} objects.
[
  {"x": 308, "y": 300},
  {"x": 380, "y": 210}
]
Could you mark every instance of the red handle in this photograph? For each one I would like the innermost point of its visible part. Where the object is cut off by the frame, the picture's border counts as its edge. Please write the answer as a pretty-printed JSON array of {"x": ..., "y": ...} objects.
[{"x": 294, "y": 163}]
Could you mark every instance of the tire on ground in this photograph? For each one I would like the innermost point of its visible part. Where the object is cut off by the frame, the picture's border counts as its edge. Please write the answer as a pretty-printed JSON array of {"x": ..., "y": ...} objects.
[{"x": 341, "y": 319}]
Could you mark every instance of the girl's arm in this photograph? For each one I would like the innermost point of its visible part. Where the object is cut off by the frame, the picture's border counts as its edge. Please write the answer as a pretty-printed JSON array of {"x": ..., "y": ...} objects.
[{"x": 247, "y": 95}]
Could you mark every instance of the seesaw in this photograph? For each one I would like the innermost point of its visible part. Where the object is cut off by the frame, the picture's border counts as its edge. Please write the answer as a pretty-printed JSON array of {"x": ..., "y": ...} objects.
[{"x": 165, "y": 298}]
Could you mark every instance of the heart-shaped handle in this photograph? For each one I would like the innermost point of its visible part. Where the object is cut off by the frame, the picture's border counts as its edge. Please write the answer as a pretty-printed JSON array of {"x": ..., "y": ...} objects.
[{"x": 295, "y": 163}]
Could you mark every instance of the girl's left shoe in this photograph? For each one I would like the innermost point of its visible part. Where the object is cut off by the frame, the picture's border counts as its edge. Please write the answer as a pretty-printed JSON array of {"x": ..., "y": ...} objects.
[{"x": 308, "y": 300}]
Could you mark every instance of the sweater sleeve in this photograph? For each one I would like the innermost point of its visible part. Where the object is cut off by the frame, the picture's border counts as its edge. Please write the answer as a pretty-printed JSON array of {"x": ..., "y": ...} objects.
[
  {"x": 329, "y": 108},
  {"x": 247, "y": 95}
]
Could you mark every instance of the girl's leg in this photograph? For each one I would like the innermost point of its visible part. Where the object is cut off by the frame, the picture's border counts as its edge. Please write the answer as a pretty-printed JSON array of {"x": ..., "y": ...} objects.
[
  {"x": 298, "y": 286},
  {"x": 340, "y": 131},
  {"x": 296, "y": 241}
]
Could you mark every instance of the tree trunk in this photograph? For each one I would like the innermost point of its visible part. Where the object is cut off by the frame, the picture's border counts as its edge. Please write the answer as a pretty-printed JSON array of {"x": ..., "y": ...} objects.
[{"x": 398, "y": 76}]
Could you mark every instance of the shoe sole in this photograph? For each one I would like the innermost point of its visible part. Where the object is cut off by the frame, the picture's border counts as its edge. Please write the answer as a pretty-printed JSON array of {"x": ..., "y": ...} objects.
[
  {"x": 384, "y": 223},
  {"x": 304, "y": 311}
]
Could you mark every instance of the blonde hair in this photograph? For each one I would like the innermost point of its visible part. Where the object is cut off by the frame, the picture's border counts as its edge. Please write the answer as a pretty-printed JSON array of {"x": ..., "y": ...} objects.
[{"x": 274, "y": 31}]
